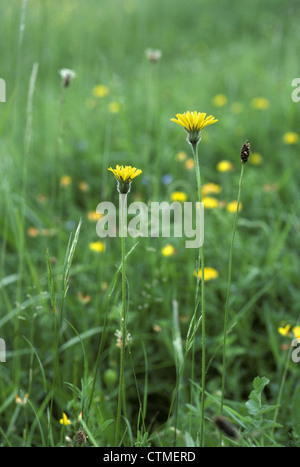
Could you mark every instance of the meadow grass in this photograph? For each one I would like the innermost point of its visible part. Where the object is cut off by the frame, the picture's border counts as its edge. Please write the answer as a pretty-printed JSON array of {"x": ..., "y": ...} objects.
[{"x": 62, "y": 293}]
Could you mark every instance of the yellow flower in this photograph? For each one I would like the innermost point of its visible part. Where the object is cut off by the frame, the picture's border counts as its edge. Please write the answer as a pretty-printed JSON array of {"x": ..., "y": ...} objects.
[
  {"x": 210, "y": 202},
  {"x": 255, "y": 159},
  {"x": 178, "y": 196},
  {"x": 232, "y": 207},
  {"x": 181, "y": 156},
  {"x": 209, "y": 274},
  {"x": 33, "y": 232},
  {"x": 168, "y": 250},
  {"x": 114, "y": 107},
  {"x": 224, "y": 166},
  {"x": 66, "y": 180},
  {"x": 189, "y": 164},
  {"x": 124, "y": 176},
  {"x": 94, "y": 216},
  {"x": 296, "y": 332},
  {"x": 260, "y": 103},
  {"x": 83, "y": 186},
  {"x": 208, "y": 188},
  {"x": 284, "y": 331},
  {"x": 98, "y": 247},
  {"x": 21, "y": 401},
  {"x": 100, "y": 90},
  {"x": 220, "y": 100},
  {"x": 65, "y": 421},
  {"x": 193, "y": 123},
  {"x": 290, "y": 137}
]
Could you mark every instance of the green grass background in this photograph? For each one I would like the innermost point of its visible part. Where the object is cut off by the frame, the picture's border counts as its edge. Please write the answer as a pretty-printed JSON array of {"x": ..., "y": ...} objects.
[{"x": 241, "y": 49}]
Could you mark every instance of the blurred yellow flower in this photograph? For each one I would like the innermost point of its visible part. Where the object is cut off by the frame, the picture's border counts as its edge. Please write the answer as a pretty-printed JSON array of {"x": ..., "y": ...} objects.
[
  {"x": 189, "y": 164},
  {"x": 296, "y": 332},
  {"x": 208, "y": 188},
  {"x": 232, "y": 207},
  {"x": 260, "y": 103},
  {"x": 193, "y": 123},
  {"x": 65, "y": 421},
  {"x": 290, "y": 137},
  {"x": 181, "y": 156},
  {"x": 65, "y": 181},
  {"x": 209, "y": 274},
  {"x": 255, "y": 159},
  {"x": 100, "y": 90},
  {"x": 21, "y": 401},
  {"x": 224, "y": 166},
  {"x": 178, "y": 196},
  {"x": 168, "y": 250},
  {"x": 114, "y": 107},
  {"x": 94, "y": 216},
  {"x": 84, "y": 298},
  {"x": 220, "y": 100},
  {"x": 284, "y": 331},
  {"x": 83, "y": 186},
  {"x": 98, "y": 247},
  {"x": 210, "y": 202},
  {"x": 33, "y": 232}
]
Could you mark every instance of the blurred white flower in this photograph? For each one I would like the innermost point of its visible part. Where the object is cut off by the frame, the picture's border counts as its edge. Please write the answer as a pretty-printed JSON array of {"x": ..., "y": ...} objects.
[
  {"x": 153, "y": 55},
  {"x": 67, "y": 76}
]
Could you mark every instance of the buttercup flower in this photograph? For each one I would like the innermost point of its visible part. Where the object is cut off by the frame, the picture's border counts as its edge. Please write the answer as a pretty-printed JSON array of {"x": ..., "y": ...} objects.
[
  {"x": 178, "y": 196},
  {"x": 100, "y": 90},
  {"x": 124, "y": 176},
  {"x": 232, "y": 207},
  {"x": 208, "y": 188},
  {"x": 260, "y": 103},
  {"x": 209, "y": 274},
  {"x": 290, "y": 138},
  {"x": 220, "y": 100},
  {"x": 224, "y": 166},
  {"x": 193, "y": 123},
  {"x": 168, "y": 250},
  {"x": 210, "y": 202},
  {"x": 98, "y": 247}
]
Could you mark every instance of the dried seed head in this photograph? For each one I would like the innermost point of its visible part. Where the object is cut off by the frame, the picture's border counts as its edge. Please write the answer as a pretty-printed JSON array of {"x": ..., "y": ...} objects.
[
  {"x": 224, "y": 425},
  {"x": 80, "y": 437},
  {"x": 245, "y": 152}
]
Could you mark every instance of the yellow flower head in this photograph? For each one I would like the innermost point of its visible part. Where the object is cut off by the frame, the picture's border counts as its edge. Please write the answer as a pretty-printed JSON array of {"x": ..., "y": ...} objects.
[
  {"x": 210, "y": 202},
  {"x": 220, "y": 100},
  {"x": 232, "y": 207},
  {"x": 193, "y": 123},
  {"x": 255, "y": 159},
  {"x": 98, "y": 247},
  {"x": 124, "y": 176},
  {"x": 100, "y": 90},
  {"x": 168, "y": 250},
  {"x": 224, "y": 166},
  {"x": 284, "y": 331},
  {"x": 208, "y": 188},
  {"x": 209, "y": 274},
  {"x": 296, "y": 331},
  {"x": 290, "y": 138},
  {"x": 65, "y": 421},
  {"x": 260, "y": 103},
  {"x": 178, "y": 196},
  {"x": 66, "y": 180}
]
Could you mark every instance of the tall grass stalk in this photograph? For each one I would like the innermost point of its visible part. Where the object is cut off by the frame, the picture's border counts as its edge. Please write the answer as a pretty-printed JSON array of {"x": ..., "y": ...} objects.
[
  {"x": 203, "y": 316},
  {"x": 121, "y": 396},
  {"x": 228, "y": 289}
]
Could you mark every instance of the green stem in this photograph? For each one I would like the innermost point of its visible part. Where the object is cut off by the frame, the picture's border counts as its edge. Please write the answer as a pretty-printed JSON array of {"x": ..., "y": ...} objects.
[
  {"x": 228, "y": 289},
  {"x": 203, "y": 320},
  {"x": 121, "y": 395}
]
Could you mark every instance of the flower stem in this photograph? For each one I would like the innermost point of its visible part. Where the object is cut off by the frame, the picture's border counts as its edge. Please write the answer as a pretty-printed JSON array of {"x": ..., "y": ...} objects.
[
  {"x": 198, "y": 177},
  {"x": 121, "y": 395},
  {"x": 228, "y": 290}
]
